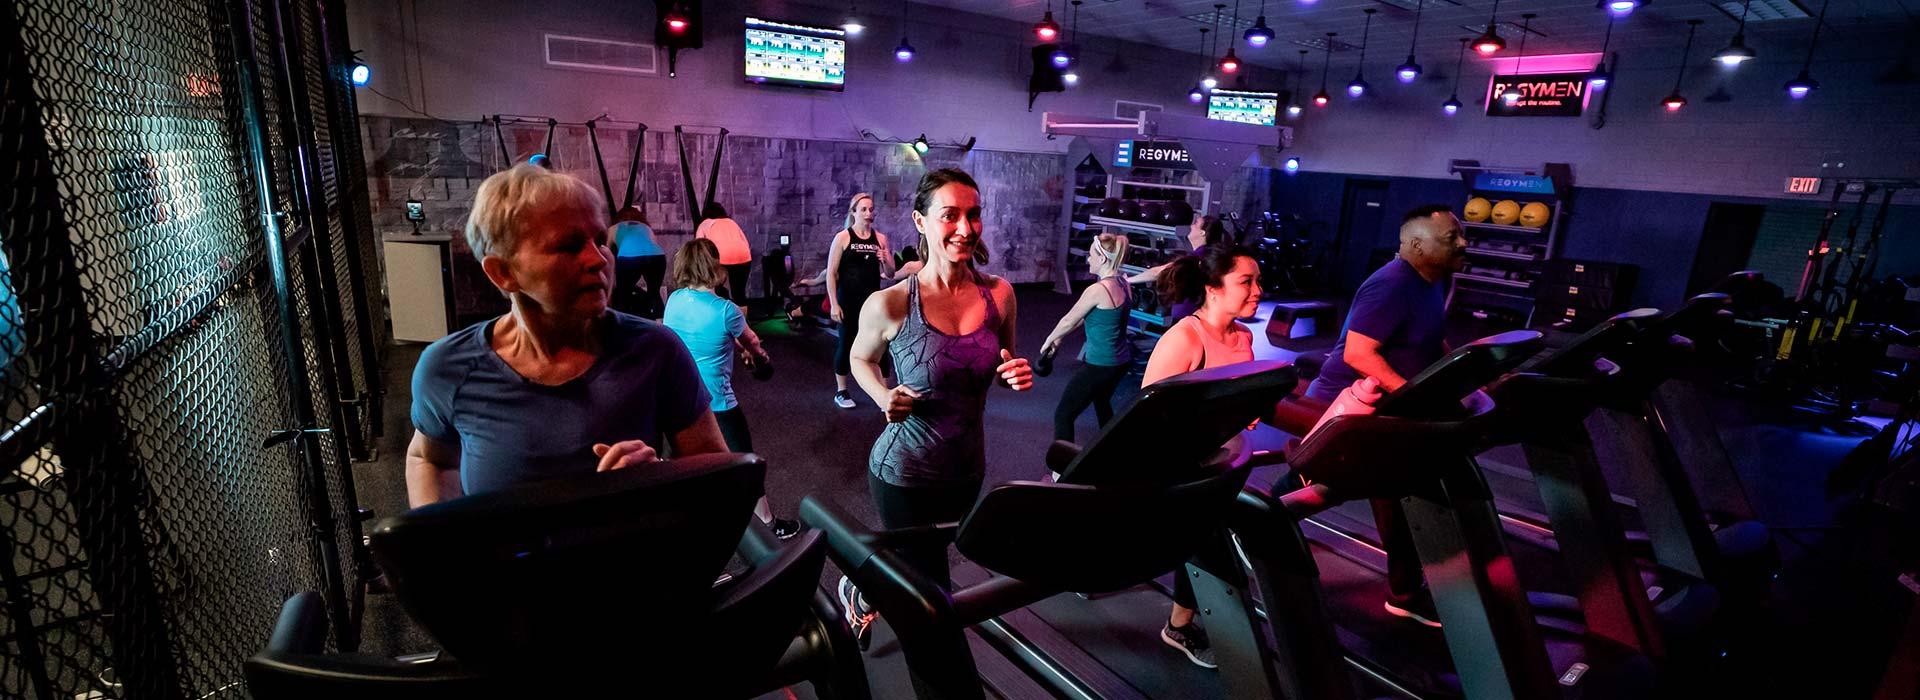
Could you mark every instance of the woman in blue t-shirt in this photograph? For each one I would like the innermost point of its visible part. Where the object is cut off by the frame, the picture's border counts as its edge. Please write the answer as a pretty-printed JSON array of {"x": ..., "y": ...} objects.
[
  {"x": 559, "y": 385},
  {"x": 714, "y": 330},
  {"x": 638, "y": 258}
]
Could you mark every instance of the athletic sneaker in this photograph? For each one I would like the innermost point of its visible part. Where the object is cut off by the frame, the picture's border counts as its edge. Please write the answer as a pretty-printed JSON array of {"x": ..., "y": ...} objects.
[
  {"x": 1417, "y": 607},
  {"x": 858, "y": 617},
  {"x": 1192, "y": 641},
  {"x": 784, "y": 529},
  {"x": 843, "y": 399}
]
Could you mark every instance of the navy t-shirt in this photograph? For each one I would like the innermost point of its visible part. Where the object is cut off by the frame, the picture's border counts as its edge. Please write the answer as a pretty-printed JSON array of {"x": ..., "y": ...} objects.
[
  {"x": 511, "y": 431},
  {"x": 1403, "y": 311}
]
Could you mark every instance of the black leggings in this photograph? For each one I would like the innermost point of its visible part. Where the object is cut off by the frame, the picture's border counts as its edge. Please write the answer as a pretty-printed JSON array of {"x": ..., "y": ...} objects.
[
  {"x": 909, "y": 506},
  {"x": 850, "y": 303},
  {"x": 733, "y": 429},
  {"x": 628, "y": 272},
  {"x": 1091, "y": 384},
  {"x": 737, "y": 281}
]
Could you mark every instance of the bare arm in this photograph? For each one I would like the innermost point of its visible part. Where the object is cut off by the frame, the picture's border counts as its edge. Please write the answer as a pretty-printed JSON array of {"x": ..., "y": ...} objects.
[
  {"x": 907, "y": 270},
  {"x": 433, "y": 471},
  {"x": 870, "y": 345},
  {"x": 750, "y": 342},
  {"x": 1177, "y": 353},
  {"x": 886, "y": 256},
  {"x": 1150, "y": 274},
  {"x": 1089, "y": 300},
  {"x": 1363, "y": 355},
  {"x": 832, "y": 273},
  {"x": 1014, "y": 372},
  {"x": 703, "y": 437}
]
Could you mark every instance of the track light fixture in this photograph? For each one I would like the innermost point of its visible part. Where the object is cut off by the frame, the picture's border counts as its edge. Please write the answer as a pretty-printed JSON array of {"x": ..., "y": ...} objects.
[{"x": 920, "y": 145}]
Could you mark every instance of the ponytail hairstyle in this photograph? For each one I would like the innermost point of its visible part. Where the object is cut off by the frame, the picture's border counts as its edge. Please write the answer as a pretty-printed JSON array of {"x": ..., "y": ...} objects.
[
  {"x": 630, "y": 213},
  {"x": 853, "y": 204},
  {"x": 1112, "y": 250},
  {"x": 1188, "y": 276},
  {"x": 923, "y": 198},
  {"x": 1216, "y": 231}
]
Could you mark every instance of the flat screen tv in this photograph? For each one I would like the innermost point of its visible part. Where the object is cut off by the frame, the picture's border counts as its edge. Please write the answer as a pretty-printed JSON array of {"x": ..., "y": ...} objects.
[
  {"x": 779, "y": 53},
  {"x": 1244, "y": 107}
]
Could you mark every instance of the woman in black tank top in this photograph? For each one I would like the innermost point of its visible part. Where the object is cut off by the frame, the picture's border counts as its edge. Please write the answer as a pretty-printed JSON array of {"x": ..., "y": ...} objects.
[{"x": 856, "y": 263}]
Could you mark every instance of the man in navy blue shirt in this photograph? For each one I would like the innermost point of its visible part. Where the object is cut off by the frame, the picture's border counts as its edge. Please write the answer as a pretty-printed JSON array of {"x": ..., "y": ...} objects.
[{"x": 1397, "y": 327}]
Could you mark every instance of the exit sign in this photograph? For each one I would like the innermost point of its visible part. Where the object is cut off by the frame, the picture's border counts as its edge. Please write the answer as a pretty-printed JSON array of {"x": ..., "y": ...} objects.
[{"x": 1803, "y": 185}]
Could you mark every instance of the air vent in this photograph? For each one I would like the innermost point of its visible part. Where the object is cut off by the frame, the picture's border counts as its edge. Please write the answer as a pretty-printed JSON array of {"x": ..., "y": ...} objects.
[
  {"x": 601, "y": 55},
  {"x": 1223, "y": 18},
  {"x": 1123, "y": 109},
  {"x": 1319, "y": 43},
  {"x": 1765, "y": 10}
]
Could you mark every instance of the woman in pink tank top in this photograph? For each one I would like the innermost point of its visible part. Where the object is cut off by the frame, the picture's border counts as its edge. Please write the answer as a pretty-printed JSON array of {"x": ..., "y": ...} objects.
[{"x": 1227, "y": 281}]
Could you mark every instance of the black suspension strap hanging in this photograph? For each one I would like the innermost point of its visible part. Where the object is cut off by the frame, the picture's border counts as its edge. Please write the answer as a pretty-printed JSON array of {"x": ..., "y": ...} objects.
[
  {"x": 600, "y": 163},
  {"x": 633, "y": 169},
  {"x": 696, "y": 208},
  {"x": 547, "y": 150},
  {"x": 506, "y": 161}
]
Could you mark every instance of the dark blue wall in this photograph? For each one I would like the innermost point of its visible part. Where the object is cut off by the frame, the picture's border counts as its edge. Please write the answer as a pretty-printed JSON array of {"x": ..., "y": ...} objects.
[{"x": 1657, "y": 231}]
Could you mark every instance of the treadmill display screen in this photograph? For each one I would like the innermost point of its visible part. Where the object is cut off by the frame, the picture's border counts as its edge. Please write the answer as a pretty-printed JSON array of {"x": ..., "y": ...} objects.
[
  {"x": 793, "y": 54},
  {"x": 1244, "y": 107}
]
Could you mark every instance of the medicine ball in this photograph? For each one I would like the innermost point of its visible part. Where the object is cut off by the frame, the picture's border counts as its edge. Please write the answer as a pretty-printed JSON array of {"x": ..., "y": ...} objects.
[
  {"x": 1130, "y": 210},
  {"x": 1506, "y": 212},
  {"x": 1535, "y": 214},
  {"x": 1178, "y": 213},
  {"x": 1477, "y": 209},
  {"x": 1110, "y": 207},
  {"x": 1153, "y": 212}
]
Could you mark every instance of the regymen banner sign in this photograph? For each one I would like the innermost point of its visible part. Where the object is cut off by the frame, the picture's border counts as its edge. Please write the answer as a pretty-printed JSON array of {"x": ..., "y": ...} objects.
[
  {"x": 1541, "y": 95},
  {"x": 1154, "y": 154}
]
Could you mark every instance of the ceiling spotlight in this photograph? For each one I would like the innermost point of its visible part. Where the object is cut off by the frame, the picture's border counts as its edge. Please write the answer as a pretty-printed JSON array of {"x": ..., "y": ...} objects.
[
  {"x": 1209, "y": 82},
  {"x": 360, "y": 74},
  {"x": 1674, "y": 102},
  {"x": 1451, "y": 106},
  {"x": 1622, "y": 8},
  {"x": 1293, "y": 164},
  {"x": 1196, "y": 95},
  {"x": 1320, "y": 99},
  {"x": 903, "y": 52},
  {"x": 1061, "y": 58},
  {"x": 1802, "y": 86},
  {"x": 920, "y": 144}
]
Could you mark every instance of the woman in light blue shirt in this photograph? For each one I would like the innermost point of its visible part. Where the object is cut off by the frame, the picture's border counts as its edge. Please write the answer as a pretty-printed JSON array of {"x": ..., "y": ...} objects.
[
  {"x": 638, "y": 259},
  {"x": 714, "y": 332}
]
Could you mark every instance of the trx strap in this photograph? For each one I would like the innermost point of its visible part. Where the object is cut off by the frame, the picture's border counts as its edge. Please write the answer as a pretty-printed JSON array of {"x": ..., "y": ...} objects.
[
  {"x": 695, "y": 207},
  {"x": 506, "y": 161},
  {"x": 600, "y": 164},
  {"x": 547, "y": 150},
  {"x": 633, "y": 169}
]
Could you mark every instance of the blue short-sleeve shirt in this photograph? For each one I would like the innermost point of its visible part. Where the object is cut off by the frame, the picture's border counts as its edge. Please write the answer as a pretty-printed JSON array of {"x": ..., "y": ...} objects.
[
  {"x": 512, "y": 431},
  {"x": 708, "y": 324},
  {"x": 1403, "y": 311}
]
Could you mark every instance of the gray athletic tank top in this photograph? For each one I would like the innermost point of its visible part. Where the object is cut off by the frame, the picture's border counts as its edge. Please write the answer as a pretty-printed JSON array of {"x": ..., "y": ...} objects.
[{"x": 943, "y": 440}]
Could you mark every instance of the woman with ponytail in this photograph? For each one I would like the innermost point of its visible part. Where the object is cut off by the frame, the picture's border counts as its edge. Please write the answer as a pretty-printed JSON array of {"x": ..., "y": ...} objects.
[
  {"x": 1108, "y": 354},
  {"x": 1226, "y": 281}
]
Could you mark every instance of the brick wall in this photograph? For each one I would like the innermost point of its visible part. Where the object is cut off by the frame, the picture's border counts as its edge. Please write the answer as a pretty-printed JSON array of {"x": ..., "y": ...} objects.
[{"x": 1780, "y": 247}]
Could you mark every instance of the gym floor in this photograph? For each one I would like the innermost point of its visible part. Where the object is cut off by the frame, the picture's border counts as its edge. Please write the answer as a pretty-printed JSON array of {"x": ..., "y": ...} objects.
[{"x": 1830, "y": 635}]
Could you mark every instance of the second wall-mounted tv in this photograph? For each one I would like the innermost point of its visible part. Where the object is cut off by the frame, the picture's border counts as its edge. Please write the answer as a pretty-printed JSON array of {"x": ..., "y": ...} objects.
[
  {"x": 1244, "y": 107},
  {"x": 779, "y": 53}
]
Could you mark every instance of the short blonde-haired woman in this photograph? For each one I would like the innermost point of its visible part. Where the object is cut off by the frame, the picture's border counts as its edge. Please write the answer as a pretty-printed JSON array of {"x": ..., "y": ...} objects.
[
  {"x": 857, "y": 261},
  {"x": 1107, "y": 356},
  {"x": 559, "y": 384}
]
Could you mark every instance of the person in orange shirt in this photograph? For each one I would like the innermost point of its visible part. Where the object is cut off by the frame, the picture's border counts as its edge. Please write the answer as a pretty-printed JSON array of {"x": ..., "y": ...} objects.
[{"x": 735, "y": 255}]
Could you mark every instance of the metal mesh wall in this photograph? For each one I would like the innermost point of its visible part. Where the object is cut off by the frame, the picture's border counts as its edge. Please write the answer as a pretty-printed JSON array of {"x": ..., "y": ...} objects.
[{"x": 154, "y": 513}]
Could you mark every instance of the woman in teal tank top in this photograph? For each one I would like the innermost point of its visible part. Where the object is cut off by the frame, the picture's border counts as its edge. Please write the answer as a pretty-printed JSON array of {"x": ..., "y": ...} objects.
[{"x": 1107, "y": 356}]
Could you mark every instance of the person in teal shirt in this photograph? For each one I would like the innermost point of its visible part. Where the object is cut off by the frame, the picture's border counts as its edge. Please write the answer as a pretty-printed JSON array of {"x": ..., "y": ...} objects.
[
  {"x": 1107, "y": 356},
  {"x": 714, "y": 331},
  {"x": 638, "y": 258}
]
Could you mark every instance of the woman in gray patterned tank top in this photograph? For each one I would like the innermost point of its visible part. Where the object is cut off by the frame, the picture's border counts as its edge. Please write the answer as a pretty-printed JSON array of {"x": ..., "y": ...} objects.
[{"x": 949, "y": 330}]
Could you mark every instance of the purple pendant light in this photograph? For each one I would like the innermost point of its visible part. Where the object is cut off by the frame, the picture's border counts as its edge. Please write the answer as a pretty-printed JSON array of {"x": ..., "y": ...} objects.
[
  {"x": 1197, "y": 94},
  {"x": 1410, "y": 71},
  {"x": 904, "y": 52},
  {"x": 1259, "y": 34},
  {"x": 1452, "y": 105},
  {"x": 1804, "y": 84},
  {"x": 1358, "y": 86},
  {"x": 1601, "y": 75},
  {"x": 1622, "y": 8}
]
